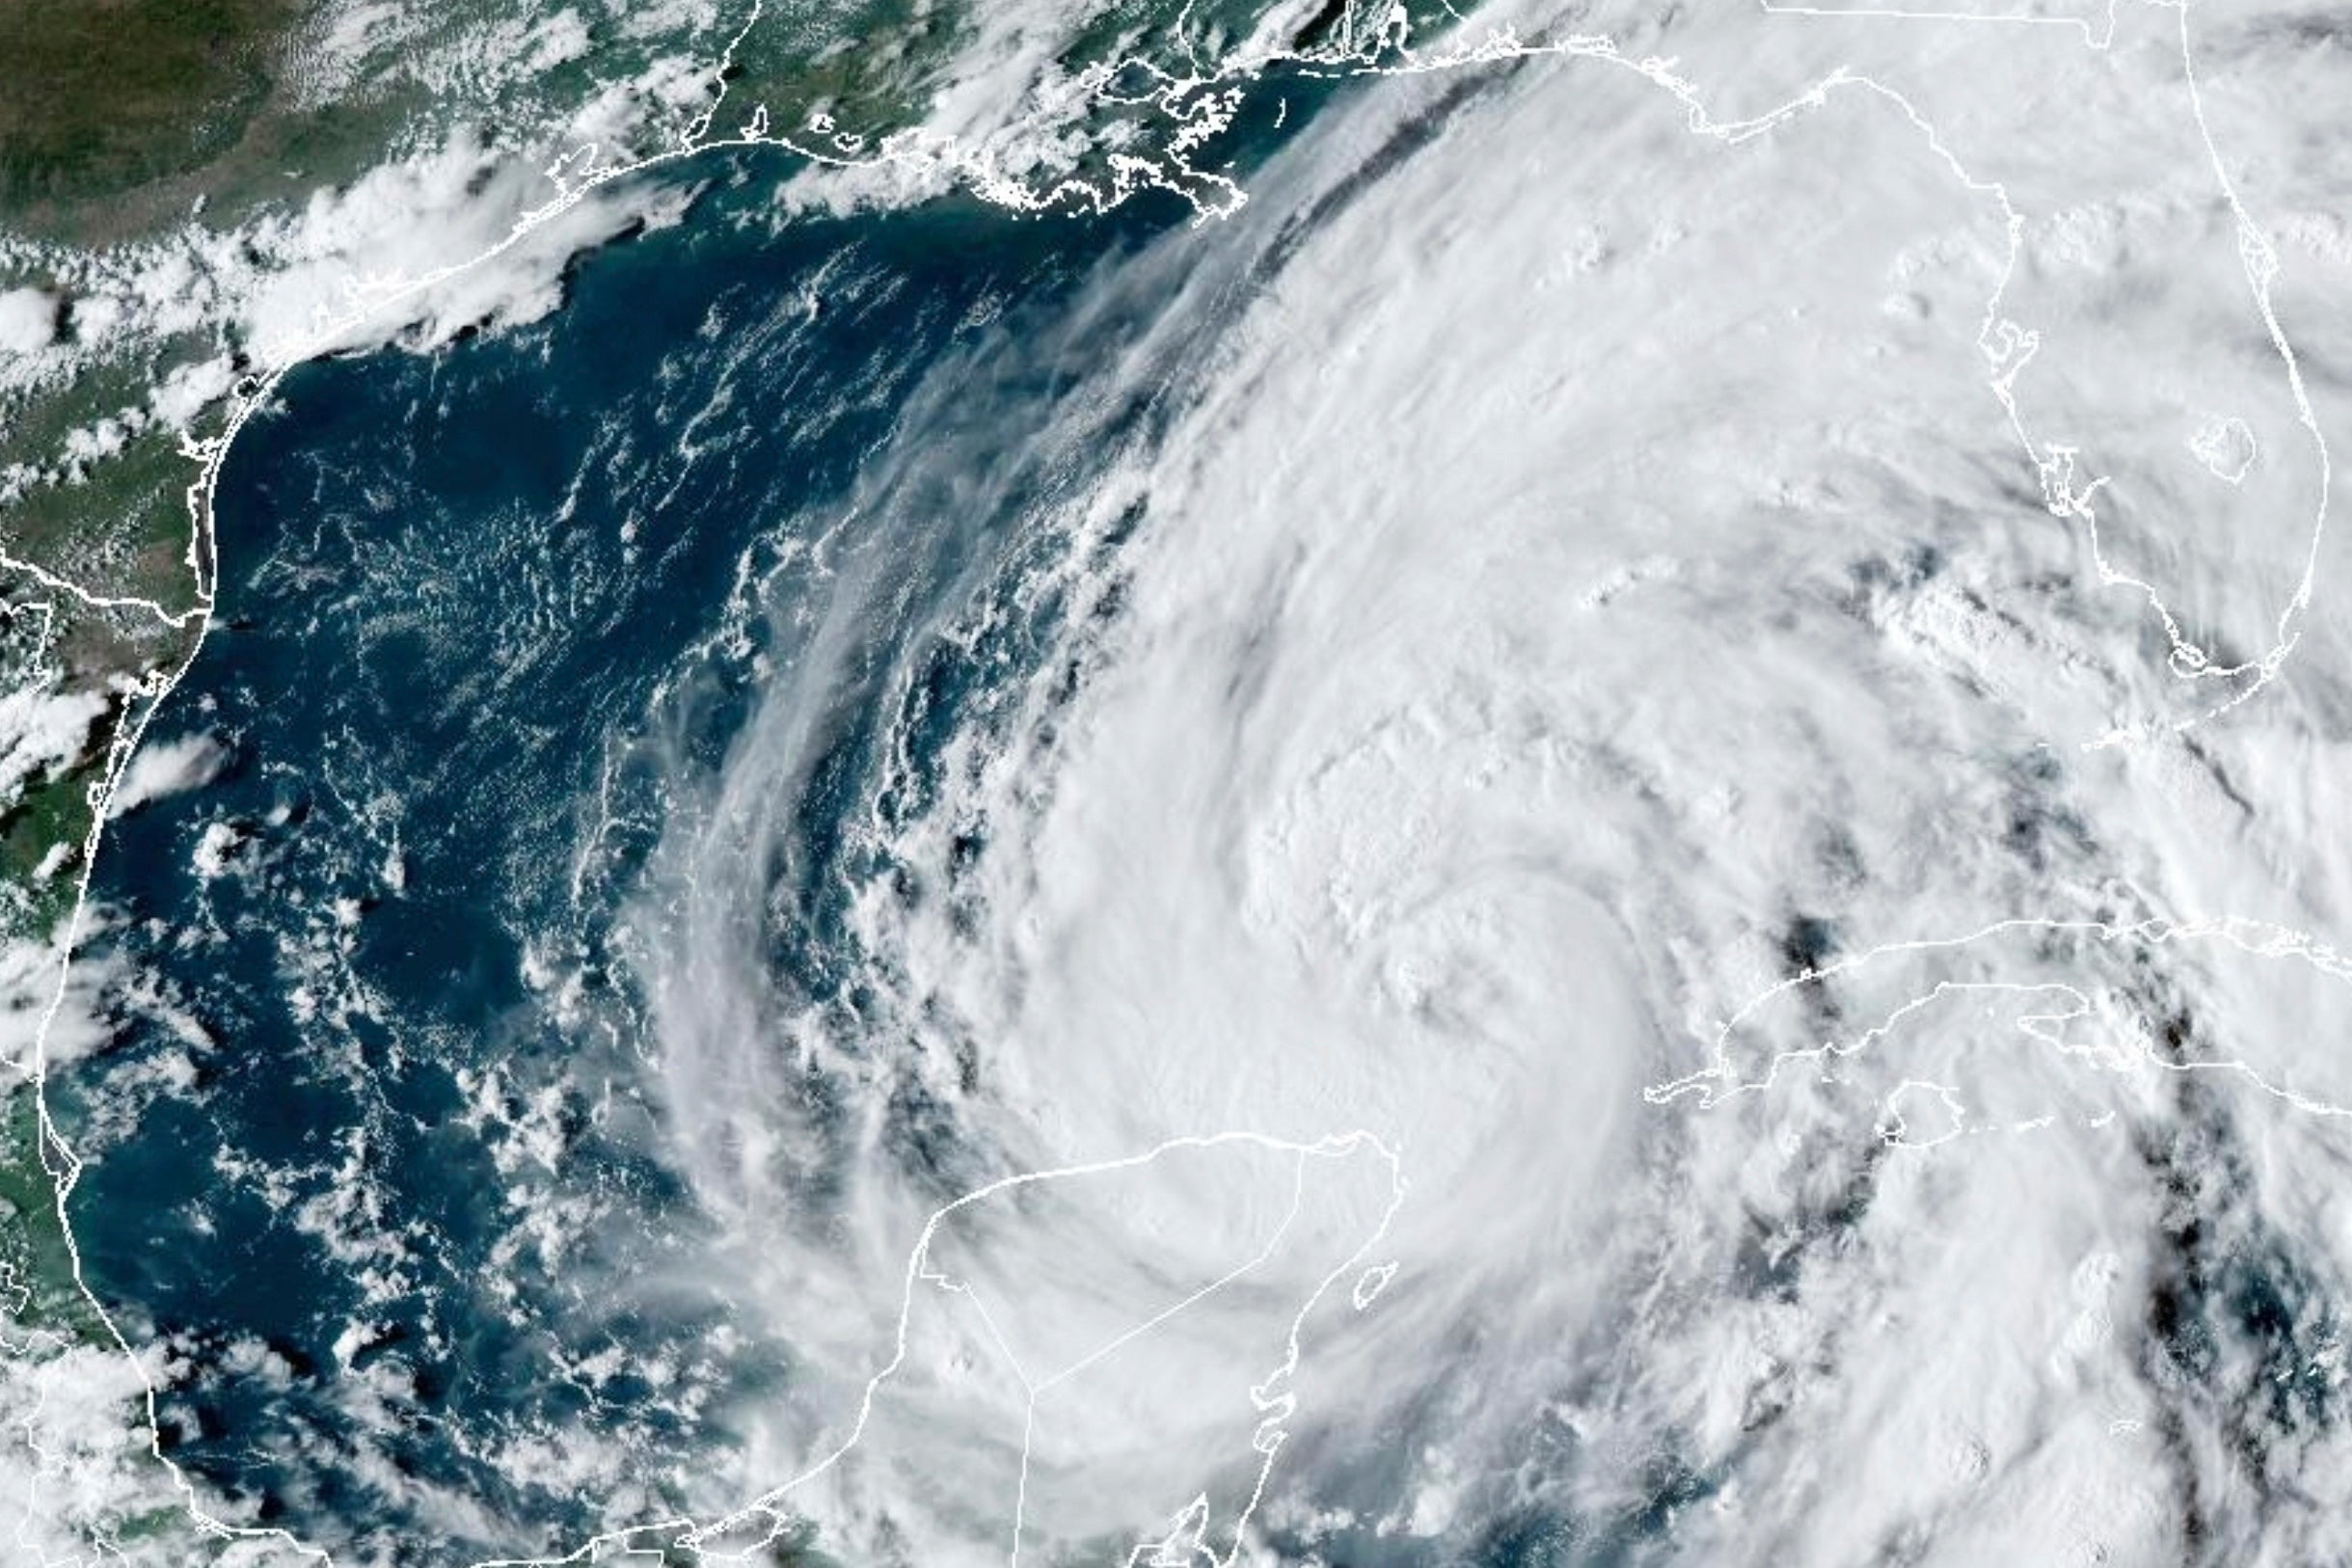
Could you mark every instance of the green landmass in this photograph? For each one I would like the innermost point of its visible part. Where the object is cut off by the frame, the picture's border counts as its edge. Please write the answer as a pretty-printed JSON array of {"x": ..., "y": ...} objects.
[
  {"x": 101, "y": 96},
  {"x": 33, "y": 1248}
]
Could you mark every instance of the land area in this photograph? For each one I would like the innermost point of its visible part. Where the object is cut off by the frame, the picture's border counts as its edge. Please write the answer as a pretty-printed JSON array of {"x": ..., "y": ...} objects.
[{"x": 113, "y": 97}]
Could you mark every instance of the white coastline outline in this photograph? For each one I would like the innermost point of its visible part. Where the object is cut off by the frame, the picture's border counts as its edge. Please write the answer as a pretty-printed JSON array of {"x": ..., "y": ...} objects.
[
  {"x": 2008, "y": 346},
  {"x": 1721, "y": 1081},
  {"x": 1273, "y": 1406}
]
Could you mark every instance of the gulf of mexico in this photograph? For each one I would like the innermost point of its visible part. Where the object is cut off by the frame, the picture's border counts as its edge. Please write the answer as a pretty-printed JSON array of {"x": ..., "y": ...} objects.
[{"x": 370, "y": 1156}]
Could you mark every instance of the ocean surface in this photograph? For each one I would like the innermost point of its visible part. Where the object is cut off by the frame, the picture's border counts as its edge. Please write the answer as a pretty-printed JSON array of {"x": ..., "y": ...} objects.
[
  {"x": 1481, "y": 867},
  {"x": 486, "y": 620}
]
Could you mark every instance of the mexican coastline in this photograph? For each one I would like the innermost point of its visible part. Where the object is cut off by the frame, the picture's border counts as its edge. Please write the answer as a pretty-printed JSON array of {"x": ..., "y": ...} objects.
[
  {"x": 375, "y": 1161},
  {"x": 820, "y": 905}
]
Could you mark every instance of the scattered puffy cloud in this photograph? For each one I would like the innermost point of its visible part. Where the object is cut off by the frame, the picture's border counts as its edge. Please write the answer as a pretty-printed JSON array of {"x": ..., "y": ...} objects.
[
  {"x": 28, "y": 320},
  {"x": 161, "y": 768},
  {"x": 44, "y": 729}
]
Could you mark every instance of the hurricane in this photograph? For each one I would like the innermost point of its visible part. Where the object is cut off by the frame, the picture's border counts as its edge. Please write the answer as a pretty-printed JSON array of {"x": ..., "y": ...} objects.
[{"x": 1599, "y": 835}]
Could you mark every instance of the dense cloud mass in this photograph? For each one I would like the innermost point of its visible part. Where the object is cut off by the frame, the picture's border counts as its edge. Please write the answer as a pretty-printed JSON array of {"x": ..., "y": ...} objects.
[
  {"x": 1610, "y": 834},
  {"x": 1681, "y": 670}
]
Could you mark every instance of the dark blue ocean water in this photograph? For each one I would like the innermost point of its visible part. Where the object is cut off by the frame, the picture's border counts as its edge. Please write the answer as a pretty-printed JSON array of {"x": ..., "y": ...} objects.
[
  {"x": 472, "y": 606},
  {"x": 377, "y": 1161},
  {"x": 375, "y": 1157}
]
